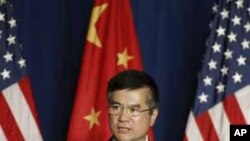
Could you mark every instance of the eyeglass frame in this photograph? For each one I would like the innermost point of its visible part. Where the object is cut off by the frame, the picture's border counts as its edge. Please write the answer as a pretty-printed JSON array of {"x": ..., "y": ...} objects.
[{"x": 127, "y": 109}]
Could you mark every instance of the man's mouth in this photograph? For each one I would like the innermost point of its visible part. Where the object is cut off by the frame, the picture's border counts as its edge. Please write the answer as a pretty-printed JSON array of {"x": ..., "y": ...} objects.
[{"x": 124, "y": 130}]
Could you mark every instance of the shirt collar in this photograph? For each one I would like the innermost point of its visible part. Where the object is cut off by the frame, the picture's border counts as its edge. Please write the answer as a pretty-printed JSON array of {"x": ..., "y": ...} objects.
[{"x": 145, "y": 140}]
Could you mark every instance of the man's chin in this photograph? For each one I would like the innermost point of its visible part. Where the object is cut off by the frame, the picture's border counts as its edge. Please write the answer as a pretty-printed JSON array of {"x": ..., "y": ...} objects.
[{"x": 123, "y": 137}]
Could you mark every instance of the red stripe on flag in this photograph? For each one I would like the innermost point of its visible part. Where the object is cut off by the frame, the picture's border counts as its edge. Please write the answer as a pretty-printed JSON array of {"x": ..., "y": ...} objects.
[
  {"x": 151, "y": 134},
  {"x": 206, "y": 127},
  {"x": 8, "y": 122},
  {"x": 24, "y": 85},
  {"x": 233, "y": 110}
]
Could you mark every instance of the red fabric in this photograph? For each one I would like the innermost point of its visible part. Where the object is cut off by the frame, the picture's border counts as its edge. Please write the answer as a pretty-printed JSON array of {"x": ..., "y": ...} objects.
[{"x": 115, "y": 30}]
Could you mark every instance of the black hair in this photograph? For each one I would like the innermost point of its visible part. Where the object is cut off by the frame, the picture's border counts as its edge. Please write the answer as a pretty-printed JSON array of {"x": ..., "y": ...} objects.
[{"x": 134, "y": 79}]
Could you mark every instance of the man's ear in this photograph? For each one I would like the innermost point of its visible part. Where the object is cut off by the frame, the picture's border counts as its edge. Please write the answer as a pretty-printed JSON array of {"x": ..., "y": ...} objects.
[{"x": 154, "y": 116}]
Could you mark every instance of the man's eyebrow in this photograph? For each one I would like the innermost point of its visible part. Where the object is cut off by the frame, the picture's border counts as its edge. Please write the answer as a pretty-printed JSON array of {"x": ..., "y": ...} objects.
[
  {"x": 132, "y": 105},
  {"x": 135, "y": 105},
  {"x": 115, "y": 102}
]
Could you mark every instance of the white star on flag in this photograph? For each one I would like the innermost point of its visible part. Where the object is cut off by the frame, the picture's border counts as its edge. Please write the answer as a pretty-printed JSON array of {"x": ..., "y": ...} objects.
[
  {"x": 236, "y": 20},
  {"x": 8, "y": 57},
  {"x": 12, "y": 22},
  {"x": 247, "y": 27},
  {"x": 237, "y": 77},
  {"x": 203, "y": 98},
  {"x": 239, "y": 4},
  {"x": 5, "y": 74},
  {"x": 11, "y": 40},
  {"x": 212, "y": 64},
  {"x": 221, "y": 31},
  {"x": 228, "y": 54},
  {"x": 232, "y": 37},
  {"x": 216, "y": 47},
  {"x": 245, "y": 44},
  {"x": 224, "y": 70},
  {"x": 220, "y": 88},
  {"x": 241, "y": 60},
  {"x": 224, "y": 14},
  {"x": 207, "y": 81}
]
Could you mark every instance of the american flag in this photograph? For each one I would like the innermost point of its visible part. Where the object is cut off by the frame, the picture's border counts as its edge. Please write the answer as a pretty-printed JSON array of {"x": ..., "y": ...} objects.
[
  {"x": 223, "y": 95},
  {"x": 18, "y": 118}
]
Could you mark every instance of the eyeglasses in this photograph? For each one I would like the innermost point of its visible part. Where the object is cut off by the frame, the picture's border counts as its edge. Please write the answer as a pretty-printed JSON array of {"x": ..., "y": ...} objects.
[{"x": 117, "y": 109}]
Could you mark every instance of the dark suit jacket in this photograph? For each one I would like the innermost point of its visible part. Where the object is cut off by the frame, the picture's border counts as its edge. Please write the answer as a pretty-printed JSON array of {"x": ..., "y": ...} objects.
[{"x": 112, "y": 139}]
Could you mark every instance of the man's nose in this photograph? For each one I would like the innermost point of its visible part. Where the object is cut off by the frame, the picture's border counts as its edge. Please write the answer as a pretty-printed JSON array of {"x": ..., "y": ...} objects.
[{"x": 123, "y": 115}]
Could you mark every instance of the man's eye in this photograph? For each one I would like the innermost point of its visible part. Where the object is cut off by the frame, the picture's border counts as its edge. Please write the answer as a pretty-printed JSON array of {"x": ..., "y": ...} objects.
[
  {"x": 115, "y": 107},
  {"x": 132, "y": 109}
]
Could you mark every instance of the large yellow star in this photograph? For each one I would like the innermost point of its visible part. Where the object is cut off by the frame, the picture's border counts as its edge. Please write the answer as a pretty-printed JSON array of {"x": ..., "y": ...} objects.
[
  {"x": 92, "y": 33},
  {"x": 92, "y": 118},
  {"x": 123, "y": 58}
]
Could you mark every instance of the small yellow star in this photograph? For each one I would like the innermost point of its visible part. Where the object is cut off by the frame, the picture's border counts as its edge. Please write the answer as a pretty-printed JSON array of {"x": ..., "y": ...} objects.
[
  {"x": 92, "y": 33},
  {"x": 92, "y": 118},
  {"x": 123, "y": 58}
]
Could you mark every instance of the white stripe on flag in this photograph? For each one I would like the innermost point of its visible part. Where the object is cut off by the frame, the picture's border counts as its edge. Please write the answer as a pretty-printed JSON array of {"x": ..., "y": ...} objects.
[
  {"x": 220, "y": 121},
  {"x": 192, "y": 130},
  {"x": 2, "y": 136},
  {"x": 243, "y": 98},
  {"x": 22, "y": 113}
]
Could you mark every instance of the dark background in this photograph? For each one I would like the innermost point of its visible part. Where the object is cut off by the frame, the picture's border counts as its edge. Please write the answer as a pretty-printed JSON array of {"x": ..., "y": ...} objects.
[{"x": 172, "y": 36}]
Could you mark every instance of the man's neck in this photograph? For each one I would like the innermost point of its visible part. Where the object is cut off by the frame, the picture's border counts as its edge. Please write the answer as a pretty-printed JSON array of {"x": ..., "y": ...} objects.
[{"x": 117, "y": 140}]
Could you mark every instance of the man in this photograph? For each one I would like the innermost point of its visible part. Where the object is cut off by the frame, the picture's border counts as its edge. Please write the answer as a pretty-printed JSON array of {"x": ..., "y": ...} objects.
[{"x": 133, "y": 105}]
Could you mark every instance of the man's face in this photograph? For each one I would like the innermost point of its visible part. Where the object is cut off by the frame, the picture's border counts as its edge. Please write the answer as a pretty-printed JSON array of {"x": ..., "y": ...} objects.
[{"x": 131, "y": 128}]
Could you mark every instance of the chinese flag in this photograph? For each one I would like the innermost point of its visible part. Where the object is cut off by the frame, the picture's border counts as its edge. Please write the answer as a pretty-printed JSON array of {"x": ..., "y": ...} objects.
[{"x": 111, "y": 46}]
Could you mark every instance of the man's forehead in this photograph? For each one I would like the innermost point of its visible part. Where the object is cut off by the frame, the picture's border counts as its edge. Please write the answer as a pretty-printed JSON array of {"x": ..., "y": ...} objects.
[
  {"x": 137, "y": 91},
  {"x": 143, "y": 92},
  {"x": 130, "y": 97}
]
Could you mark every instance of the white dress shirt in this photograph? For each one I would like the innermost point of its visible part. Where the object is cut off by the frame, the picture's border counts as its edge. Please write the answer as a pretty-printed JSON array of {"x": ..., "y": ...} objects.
[{"x": 116, "y": 140}]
